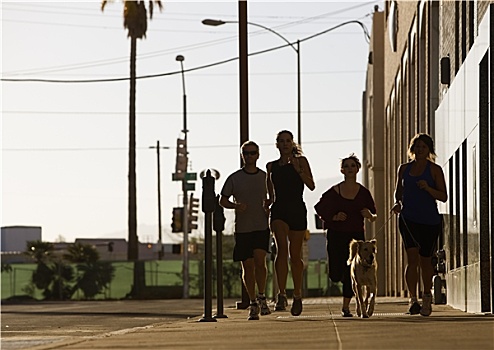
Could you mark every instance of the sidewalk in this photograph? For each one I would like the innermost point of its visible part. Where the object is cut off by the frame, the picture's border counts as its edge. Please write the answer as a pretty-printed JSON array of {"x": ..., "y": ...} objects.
[{"x": 319, "y": 327}]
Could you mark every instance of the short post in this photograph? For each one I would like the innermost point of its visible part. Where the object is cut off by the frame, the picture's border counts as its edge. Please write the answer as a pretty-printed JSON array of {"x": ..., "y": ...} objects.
[
  {"x": 219, "y": 227},
  {"x": 208, "y": 205}
]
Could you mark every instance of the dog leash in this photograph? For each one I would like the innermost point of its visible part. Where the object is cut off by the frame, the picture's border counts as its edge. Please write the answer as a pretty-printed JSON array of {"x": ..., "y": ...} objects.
[
  {"x": 406, "y": 226},
  {"x": 383, "y": 225}
]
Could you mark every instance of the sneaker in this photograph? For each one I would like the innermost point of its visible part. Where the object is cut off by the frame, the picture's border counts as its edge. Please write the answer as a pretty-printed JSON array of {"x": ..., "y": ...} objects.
[
  {"x": 253, "y": 311},
  {"x": 281, "y": 303},
  {"x": 346, "y": 313},
  {"x": 263, "y": 306},
  {"x": 426, "y": 304},
  {"x": 413, "y": 306},
  {"x": 296, "y": 309}
]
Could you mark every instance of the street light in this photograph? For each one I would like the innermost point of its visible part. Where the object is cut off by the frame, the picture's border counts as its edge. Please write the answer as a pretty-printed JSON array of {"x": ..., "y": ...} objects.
[
  {"x": 160, "y": 241},
  {"x": 185, "y": 224},
  {"x": 215, "y": 23}
]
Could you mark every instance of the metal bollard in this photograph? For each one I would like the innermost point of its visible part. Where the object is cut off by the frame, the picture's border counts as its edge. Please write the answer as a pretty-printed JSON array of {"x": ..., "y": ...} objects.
[
  {"x": 219, "y": 227},
  {"x": 208, "y": 205}
]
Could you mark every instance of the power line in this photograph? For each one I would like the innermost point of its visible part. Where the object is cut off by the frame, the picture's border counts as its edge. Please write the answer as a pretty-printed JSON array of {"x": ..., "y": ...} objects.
[
  {"x": 175, "y": 113},
  {"x": 78, "y": 149},
  {"x": 78, "y": 81}
]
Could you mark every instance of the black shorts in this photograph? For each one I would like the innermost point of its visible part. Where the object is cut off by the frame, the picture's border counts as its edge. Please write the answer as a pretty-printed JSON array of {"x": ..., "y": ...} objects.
[
  {"x": 245, "y": 243},
  {"x": 420, "y": 236},
  {"x": 293, "y": 214}
]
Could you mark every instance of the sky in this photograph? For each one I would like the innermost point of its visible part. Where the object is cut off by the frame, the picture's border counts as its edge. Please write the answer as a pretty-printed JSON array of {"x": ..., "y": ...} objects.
[{"x": 64, "y": 160}]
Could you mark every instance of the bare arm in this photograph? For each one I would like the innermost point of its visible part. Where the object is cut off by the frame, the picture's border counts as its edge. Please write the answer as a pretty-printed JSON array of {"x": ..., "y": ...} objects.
[
  {"x": 398, "y": 189},
  {"x": 227, "y": 204},
  {"x": 440, "y": 192},
  {"x": 269, "y": 187},
  {"x": 302, "y": 166}
]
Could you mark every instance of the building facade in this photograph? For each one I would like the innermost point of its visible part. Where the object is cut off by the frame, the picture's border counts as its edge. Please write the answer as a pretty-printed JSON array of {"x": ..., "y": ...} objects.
[{"x": 430, "y": 71}]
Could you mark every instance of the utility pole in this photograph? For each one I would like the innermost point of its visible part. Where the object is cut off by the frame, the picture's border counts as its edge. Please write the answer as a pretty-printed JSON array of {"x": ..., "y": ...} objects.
[{"x": 160, "y": 241}]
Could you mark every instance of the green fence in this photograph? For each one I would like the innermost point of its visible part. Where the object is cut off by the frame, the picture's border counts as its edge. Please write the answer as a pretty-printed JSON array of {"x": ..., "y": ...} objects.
[{"x": 163, "y": 279}]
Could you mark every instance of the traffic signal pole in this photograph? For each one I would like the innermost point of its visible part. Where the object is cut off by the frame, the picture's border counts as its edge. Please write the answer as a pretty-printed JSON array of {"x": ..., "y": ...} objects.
[{"x": 186, "y": 204}]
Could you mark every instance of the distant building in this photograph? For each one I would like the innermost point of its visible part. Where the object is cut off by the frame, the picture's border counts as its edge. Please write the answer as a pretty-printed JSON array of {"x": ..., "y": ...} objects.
[{"x": 14, "y": 240}]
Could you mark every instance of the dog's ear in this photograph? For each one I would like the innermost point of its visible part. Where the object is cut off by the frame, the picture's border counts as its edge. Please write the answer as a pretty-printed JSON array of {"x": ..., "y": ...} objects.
[
  {"x": 374, "y": 244},
  {"x": 354, "y": 245}
]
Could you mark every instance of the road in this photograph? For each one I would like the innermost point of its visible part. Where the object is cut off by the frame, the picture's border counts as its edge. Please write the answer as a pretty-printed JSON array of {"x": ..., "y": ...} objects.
[{"x": 25, "y": 325}]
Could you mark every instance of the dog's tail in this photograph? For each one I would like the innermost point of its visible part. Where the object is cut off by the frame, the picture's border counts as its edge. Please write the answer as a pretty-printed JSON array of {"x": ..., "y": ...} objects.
[{"x": 353, "y": 251}]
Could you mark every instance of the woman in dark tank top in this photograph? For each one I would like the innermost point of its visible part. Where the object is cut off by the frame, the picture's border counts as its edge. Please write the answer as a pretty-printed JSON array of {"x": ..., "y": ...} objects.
[
  {"x": 419, "y": 184},
  {"x": 286, "y": 180}
]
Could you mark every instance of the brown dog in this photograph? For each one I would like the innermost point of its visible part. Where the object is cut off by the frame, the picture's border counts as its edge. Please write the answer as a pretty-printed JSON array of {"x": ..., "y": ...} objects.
[{"x": 363, "y": 272}]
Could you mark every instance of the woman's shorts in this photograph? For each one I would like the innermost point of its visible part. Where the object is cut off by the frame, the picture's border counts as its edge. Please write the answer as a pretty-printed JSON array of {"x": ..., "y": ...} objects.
[
  {"x": 246, "y": 243},
  {"x": 293, "y": 214},
  {"x": 420, "y": 236}
]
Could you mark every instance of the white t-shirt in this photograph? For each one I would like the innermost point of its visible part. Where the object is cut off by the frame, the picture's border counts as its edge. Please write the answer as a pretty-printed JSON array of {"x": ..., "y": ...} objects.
[{"x": 249, "y": 189}]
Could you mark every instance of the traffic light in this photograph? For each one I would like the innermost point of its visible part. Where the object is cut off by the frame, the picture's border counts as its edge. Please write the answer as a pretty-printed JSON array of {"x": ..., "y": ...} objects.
[
  {"x": 177, "y": 219},
  {"x": 176, "y": 248},
  {"x": 181, "y": 161},
  {"x": 193, "y": 212}
]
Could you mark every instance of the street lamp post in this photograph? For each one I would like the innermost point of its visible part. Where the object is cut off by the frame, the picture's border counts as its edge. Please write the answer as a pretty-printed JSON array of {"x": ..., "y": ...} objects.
[
  {"x": 185, "y": 222},
  {"x": 215, "y": 23},
  {"x": 160, "y": 241}
]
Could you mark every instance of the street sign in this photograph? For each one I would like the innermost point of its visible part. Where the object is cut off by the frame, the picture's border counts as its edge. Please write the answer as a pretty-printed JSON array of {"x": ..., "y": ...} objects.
[
  {"x": 189, "y": 186},
  {"x": 178, "y": 176},
  {"x": 190, "y": 176},
  {"x": 184, "y": 176}
]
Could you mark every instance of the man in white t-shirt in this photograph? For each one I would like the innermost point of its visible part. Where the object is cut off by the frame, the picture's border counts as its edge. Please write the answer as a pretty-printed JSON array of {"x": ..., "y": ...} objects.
[{"x": 247, "y": 186}]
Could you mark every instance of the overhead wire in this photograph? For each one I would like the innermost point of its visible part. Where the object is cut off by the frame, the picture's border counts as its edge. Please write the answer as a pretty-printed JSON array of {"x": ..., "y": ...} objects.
[
  {"x": 82, "y": 81},
  {"x": 195, "y": 46}
]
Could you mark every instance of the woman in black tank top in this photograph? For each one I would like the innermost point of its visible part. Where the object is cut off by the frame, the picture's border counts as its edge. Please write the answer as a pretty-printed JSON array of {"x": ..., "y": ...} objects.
[{"x": 286, "y": 180}]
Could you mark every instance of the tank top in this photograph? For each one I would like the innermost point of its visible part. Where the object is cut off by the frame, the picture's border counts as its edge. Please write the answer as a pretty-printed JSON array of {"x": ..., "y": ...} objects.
[
  {"x": 288, "y": 186},
  {"x": 418, "y": 205}
]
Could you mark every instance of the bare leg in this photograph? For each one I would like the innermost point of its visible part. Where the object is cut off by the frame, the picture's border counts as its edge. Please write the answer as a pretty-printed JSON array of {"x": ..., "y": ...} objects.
[
  {"x": 427, "y": 273},
  {"x": 280, "y": 230},
  {"x": 248, "y": 277},
  {"x": 411, "y": 271},
  {"x": 260, "y": 269},
  {"x": 346, "y": 303},
  {"x": 296, "y": 239}
]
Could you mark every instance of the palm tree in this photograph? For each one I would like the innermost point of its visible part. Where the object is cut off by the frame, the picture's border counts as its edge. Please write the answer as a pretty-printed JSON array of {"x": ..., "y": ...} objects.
[
  {"x": 93, "y": 275},
  {"x": 135, "y": 21},
  {"x": 52, "y": 275}
]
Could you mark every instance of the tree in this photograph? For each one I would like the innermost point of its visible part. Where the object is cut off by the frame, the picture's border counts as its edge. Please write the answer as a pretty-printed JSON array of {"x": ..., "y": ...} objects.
[
  {"x": 51, "y": 275},
  {"x": 135, "y": 21},
  {"x": 94, "y": 275}
]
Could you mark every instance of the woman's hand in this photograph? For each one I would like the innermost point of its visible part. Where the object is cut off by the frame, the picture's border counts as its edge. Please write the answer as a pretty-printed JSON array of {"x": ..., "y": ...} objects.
[
  {"x": 296, "y": 164},
  {"x": 341, "y": 216},
  {"x": 396, "y": 208},
  {"x": 266, "y": 204},
  {"x": 366, "y": 213},
  {"x": 423, "y": 185}
]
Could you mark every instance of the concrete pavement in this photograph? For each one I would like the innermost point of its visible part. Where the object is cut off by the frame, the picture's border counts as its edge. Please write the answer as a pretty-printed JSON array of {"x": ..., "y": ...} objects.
[{"x": 320, "y": 326}]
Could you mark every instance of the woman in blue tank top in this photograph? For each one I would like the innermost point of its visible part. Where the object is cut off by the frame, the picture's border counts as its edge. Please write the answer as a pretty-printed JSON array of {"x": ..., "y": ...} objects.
[
  {"x": 420, "y": 183},
  {"x": 286, "y": 179}
]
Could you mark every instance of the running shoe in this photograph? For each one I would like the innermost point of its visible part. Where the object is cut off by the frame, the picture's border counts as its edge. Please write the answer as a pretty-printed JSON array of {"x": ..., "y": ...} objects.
[
  {"x": 426, "y": 304},
  {"x": 413, "y": 307},
  {"x": 253, "y": 311},
  {"x": 263, "y": 306},
  {"x": 296, "y": 309},
  {"x": 346, "y": 313},
  {"x": 281, "y": 303}
]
